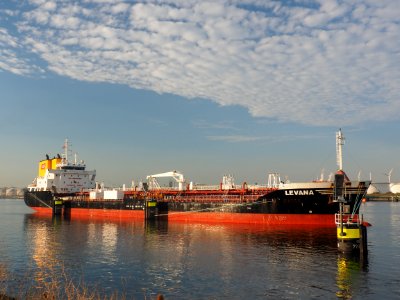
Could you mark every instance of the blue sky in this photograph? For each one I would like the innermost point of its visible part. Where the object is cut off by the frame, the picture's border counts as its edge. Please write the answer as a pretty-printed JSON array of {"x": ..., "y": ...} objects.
[{"x": 207, "y": 88}]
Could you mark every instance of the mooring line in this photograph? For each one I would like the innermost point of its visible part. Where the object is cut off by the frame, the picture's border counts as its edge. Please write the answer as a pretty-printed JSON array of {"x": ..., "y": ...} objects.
[{"x": 37, "y": 198}]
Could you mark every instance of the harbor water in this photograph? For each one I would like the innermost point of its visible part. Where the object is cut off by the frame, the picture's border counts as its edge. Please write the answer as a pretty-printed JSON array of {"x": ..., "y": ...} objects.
[{"x": 198, "y": 261}]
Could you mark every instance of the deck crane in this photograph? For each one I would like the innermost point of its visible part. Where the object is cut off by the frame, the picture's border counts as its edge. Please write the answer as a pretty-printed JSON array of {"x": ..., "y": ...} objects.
[{"x": 153, "y": 184}]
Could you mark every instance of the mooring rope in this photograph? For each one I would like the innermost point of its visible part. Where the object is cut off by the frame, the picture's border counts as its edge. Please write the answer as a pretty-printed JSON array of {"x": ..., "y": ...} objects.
[
  {"x": 358, "y": 202},
  {"x": 37, "y": 198}
]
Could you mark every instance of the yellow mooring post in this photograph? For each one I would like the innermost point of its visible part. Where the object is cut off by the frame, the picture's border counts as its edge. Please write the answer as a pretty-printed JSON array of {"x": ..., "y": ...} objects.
[
  {"x": 348, "y": 233},
  {"x": 57, "y": 207},
  {"x": 155, "y": 210},
  {"x": 150, "y": 210},
  {"x": 351, "y": 233}
]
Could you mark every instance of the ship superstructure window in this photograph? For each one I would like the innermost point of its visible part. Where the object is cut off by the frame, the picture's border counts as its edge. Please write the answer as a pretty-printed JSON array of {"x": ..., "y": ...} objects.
[{"x": 72, "y": 168}]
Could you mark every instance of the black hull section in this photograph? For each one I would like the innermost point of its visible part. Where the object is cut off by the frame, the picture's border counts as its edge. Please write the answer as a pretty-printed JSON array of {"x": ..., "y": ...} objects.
[
  {"x": 45, "y": 200},
  {"x": 39, "y": 199},
  {"x": 278, "y": 202}
]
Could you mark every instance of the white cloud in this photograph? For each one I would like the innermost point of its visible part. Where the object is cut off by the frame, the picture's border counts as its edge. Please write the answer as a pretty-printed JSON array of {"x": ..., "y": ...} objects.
[
  {"x": 6, "y": 39},
  {"x": 236, "y": 138},
  {"x": 319, "y": 63},
  {"x": 9, "y": 12},
  {"x": 119, "y": 8},
  {"x": 64, "y": 22},
  {"x": 250, "y": 138},
  {"x": 10, "y": 58},
  {"x": 50, "y": 6},
  {"x": 204, "y": 124}
]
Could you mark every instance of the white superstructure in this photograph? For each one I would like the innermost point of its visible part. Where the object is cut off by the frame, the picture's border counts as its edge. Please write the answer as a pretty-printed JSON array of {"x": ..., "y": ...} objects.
[{"x": 61, "y": 176}]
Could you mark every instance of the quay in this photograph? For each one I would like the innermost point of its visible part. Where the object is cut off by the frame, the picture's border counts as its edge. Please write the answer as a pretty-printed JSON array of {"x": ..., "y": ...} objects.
[{"x": 387, "y": 197}]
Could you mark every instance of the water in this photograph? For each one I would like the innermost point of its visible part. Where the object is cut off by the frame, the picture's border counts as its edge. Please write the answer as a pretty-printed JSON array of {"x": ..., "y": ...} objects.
[{"x": 199, "y": 261}]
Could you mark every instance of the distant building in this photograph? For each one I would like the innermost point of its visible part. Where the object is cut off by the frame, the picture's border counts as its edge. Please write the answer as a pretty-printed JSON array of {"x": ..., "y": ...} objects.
[
  {"x": 20, "y": 193},
  {"x": 11, "y": 192}
]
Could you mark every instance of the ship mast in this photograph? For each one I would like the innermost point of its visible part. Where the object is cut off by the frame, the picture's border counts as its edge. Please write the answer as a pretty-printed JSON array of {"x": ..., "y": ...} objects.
[
  {"x": 339, "y": 144},
  {"x": 67, "y": 152}
]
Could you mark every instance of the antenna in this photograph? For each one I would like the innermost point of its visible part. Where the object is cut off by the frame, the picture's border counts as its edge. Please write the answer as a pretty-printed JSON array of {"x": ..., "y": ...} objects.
[
  {"x": 66, "y": 149},
  {"x": 339, "y": 144}
]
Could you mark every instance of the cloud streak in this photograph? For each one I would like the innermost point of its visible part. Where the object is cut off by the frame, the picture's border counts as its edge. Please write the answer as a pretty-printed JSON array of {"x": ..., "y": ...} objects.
[
  {"x": 313, "y": 62},
  {"x": 252, "y": 138}
]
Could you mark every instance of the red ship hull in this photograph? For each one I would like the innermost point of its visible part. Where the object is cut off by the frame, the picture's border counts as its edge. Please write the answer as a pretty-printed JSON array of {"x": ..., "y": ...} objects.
[{"x": 325, "y": 220}]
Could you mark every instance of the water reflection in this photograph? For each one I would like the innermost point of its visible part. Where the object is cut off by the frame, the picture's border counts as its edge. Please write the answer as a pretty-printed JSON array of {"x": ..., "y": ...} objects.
[
  {"x": 350, "y": 269},
  {"x": 109, "y": 237},
  {"x": 199, "y": 261},
  {"x": 248, "y": 257},
  {"x": 156, "y": 227},
  {"x": 45, "y": 248},
  {"x": 209, "y": 260}
]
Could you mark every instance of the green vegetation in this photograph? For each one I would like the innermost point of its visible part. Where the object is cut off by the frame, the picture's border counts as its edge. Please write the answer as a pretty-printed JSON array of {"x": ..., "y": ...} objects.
[{"x": 49, "y": 286}]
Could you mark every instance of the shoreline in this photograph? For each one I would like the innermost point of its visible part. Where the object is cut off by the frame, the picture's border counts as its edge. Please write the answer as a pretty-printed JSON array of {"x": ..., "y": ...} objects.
[{"x": 387, "y": 197}]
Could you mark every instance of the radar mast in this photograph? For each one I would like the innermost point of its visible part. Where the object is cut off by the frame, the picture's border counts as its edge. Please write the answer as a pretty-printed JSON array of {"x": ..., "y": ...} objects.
[{"x": 339, "y": 144}]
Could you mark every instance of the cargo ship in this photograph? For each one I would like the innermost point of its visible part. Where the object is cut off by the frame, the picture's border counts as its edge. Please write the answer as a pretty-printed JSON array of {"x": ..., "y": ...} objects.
[{"x": 70, "y": 185}]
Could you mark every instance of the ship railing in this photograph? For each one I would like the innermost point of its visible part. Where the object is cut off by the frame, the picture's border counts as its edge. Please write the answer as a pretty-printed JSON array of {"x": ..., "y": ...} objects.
[
  {"x": 205, "y": 187},
  {"x": 235, "y": 187},
  {"x": 164, "y": 188},
  {"x": 257, "y": 187},
  {"x": 220, "y": 198},
  {"x": 348, "y": 219},
  {"x": 112, "y": 189}
]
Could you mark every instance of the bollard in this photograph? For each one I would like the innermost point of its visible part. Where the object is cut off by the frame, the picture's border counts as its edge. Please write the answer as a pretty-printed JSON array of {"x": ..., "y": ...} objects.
[
  {"x": 67, "y": 209},
  {"x": 363, "y": 242},
  {"x": 57, "y": 207},
  {"x": 349, "y": 237},
  {"x": 155, "y": 210},
  {"x": 150, "y": 209}
]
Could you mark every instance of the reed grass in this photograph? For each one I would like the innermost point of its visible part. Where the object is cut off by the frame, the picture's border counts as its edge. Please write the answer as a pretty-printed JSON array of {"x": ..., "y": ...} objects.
[{"x": 55, "y": 285}]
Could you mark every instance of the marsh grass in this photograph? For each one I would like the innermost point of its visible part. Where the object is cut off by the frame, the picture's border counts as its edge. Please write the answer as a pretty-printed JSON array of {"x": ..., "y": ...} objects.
[{"x": 51, "y": 285}]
